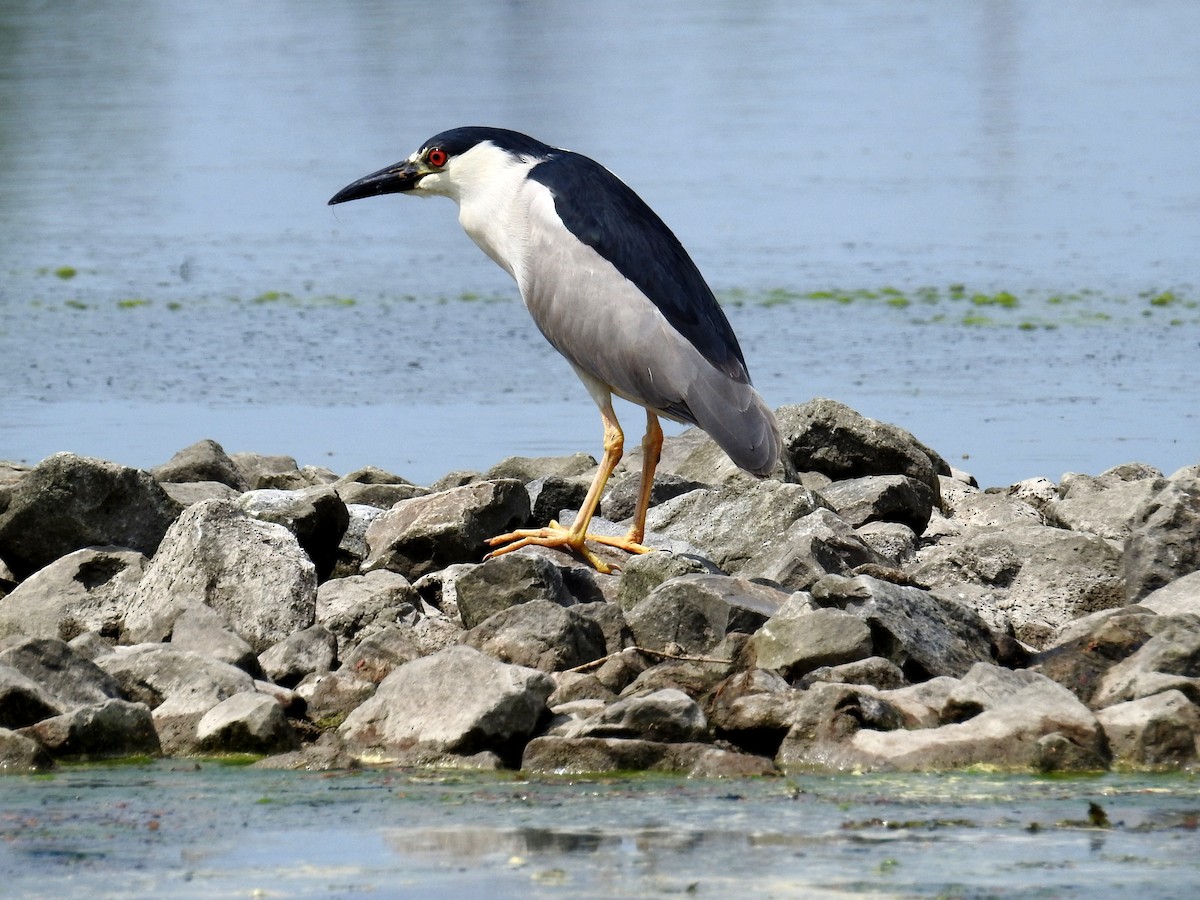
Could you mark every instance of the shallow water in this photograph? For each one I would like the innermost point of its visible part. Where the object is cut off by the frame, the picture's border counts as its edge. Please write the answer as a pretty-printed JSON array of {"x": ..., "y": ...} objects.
[
  {"x": 164, "y": 168},
  {"x": 211, "y": 831}
]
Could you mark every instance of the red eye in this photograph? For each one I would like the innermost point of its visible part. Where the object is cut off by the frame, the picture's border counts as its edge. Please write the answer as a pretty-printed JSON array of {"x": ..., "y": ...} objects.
[{"x": 437, "y": 157}]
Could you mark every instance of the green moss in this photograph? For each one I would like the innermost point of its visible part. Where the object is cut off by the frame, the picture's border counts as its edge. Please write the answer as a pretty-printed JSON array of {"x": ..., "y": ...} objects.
[
  {"x": 75, "y": 304},
  {"x": 132, "y": 303},
  {"x": 66, "y": 272}
]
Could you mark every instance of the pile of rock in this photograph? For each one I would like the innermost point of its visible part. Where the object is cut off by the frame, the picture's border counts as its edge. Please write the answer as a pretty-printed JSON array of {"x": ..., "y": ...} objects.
[{"x": 869, "y": 608}]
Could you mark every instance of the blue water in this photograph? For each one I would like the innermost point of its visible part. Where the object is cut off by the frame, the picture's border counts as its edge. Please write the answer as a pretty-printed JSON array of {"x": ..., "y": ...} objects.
[{"x": 177, "y": 160}]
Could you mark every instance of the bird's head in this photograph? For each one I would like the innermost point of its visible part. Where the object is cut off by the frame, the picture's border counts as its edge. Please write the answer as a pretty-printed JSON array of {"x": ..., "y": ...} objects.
[{"x": 450, "y": 163}]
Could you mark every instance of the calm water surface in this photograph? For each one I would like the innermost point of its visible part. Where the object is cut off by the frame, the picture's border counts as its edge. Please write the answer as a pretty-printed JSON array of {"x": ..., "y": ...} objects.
[
  {"x": 209, "y": 831},
  {"x": 174, "y": 161}
]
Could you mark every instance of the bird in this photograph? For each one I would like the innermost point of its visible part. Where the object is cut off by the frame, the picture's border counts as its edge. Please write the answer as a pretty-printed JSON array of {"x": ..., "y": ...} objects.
[{"x": 611, "y": 288}]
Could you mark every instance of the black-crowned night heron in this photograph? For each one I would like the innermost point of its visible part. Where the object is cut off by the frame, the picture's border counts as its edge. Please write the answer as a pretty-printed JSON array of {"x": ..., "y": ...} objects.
[{"x": 610, "y": 287}]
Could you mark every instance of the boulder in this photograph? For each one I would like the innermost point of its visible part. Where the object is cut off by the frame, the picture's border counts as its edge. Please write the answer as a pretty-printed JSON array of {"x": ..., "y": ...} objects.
[
  {"x": 204, "y": 460},
  {"x": 331, "y": 696},
  {"x": 1178, "y": 597},
  {"x": 317, "y": 516},
  {"x": 21, "y": 755},
  {"x": 551, "y": 494},
  {"x": 247, "y": 722},
  {"x": 667, "y": 715},
  {"x": 816, "y": 545},
  {"x": 72, "y": 680},
  {"x": 108, "y": 730},
  {"x": 1108, "y": 512},
  {"x": 1164, "y": 538},
  {"x": 539, "y": 634},
  {"x": 312, "y": 650},
  {"x": 427, "y": 533},
  {"x": 829, "y": 437},
  {"x": 505, "y": 581},
  {"x": 203, "y": 630},
  {"x": 620, "y": 498},
  {"x": 358, "y": 606},
  {"x": 1173, "y": 651},
  {"x": 252, "y": 572},
  {"x": 642, "y": 574},
  {"x": 584, "y": 755},
  {"x": 695, "y": 612},
  {"x": 69, "y": 502},
  {"x": 457, "y": 701},
  {"x": 261, "y": 471},
  {"x": 353, "y": 547},
  {"x": 881, "y": 498},
  {"x": 796, "y": 645},
  {"x": 1160, "y": 731},
  {"x": 86, "y": 590},
  {"x": 375, "y": 657},
  {"x": 23, "y": 701}
]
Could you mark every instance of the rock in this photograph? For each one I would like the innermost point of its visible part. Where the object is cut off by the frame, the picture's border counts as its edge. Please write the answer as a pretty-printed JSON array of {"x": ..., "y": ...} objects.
[
  {"x": 551, "y": 494},
  {"x": 203, "y": 630},
  {"x": 20, "y": 754},
  {"x": 187, "y": 493},
  {"x": 1042, "y": 577},
  {"x": 69, "y": 502},
  {"x": 969, "y": 507},
  {"x": 355, "y": 607},
  {"x": 427, "y": 533},
  {"x": 829, "y": 437},
  {"x": 316, "y": 516},
  {"x": 753, "y": 709},
  {"x": 1173, "y": 650},
  {"x": 667, "y": 715},
  {"x": 585, "y": 755},
  {"x": 620, "y": 499},
  {"x": 252, "y": 572},
  {"x": 353, "y": 547},
  {"x": 505, "y": 581},
  {"x": 1178, "y": 597},
  {"x": 1083, "y": 656},
  {"x": 204, "y": 460},
  {"x": 456, "y": 701},
  {"x": 1163, "y": 542},
  {"x": 371, "y": 486},
  {"x": 611, "y": 620},
  {"x": 67, "y": 677},
  {"x": 531, "y": 468},
  {"x": 331, "y": 696},
  {"x": 23, "y": 701},
  {"x": 378, "y": 655},
  {"x": 109, "y": 730},
  {"x": 247, "y": 722},
  {"x": 325, "y": 755},
  {"x": 263, "y": 472},
  {"x": 86, "y": 590},
  {"x": 895, "y": 542},
  {"x": 881, "y": 498},
  {"x": 921, "y": 634},
  {"x": 297, "y": 655},
  {"x": 697, "y": 611},
  {"x": 735, "y": 524},
  {"x": 1160, "y": 731},
  {"x": 1107, "y": 513},
  {"x": 797, "y": 645},
  {"x": 874, "y": 671},
  {"x": 816, "y": 545},
  {"x": 1006, "y": 714},
  {"x": 642, "y": 574},
  {"x": 539, "y": 634}
]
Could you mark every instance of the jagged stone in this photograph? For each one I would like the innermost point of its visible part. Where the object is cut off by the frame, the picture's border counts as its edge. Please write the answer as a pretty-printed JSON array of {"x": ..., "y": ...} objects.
[
  {"x": 1164, "y": 538},
  {"x": 1160, "y": 731},
  {"x": 317, "y": 516},
  {"x": 248, "y": 722},
  {"x": 109, "y": 730},
  {"x": 819, "y": 544},
  {"x": 539, "y": 634},
  {"x": 795, "y": 646},
  {"x": 204, "y": 460},
  {"x": 697, "y": 611},
  {"x": 506, "y": 581},
  {"x": 297, "y": 655}
]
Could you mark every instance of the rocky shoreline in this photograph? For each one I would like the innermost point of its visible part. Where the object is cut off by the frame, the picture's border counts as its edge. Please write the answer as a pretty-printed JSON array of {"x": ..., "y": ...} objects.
[{"x": 869, "y": 608}]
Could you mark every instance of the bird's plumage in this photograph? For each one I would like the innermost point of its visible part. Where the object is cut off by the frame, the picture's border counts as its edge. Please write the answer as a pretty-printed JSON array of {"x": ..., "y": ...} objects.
[{"x": 606, "y": 281}]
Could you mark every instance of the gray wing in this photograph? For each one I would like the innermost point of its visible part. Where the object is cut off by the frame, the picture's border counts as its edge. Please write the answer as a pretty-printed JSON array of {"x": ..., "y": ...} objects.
[{"x": 605, "y": 326}]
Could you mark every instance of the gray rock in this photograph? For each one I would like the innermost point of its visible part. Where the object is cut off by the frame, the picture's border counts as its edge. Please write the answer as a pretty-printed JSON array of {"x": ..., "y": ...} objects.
[
  {"x": 969, "y": 507},
  {"x": 331, "y": 696},
  {"x": 358, "y": 606},
  {"x": 203, "y": 630},
  {"x": 21, "y": 755},
  {"x": 644, "y": 573},
  {"x": 733, "y": 525},
  {"x": 695, "y": 612},
  {"x": 247, "y": 722},
  {"x": 620, "y": 499},
  {"x": 69, "y": 502},
  {"x": 667, "y": 715},
  {"x": 1160, "y": 731},
  {"x": 1179, "y": 597},
  {"x": 584, "y": 755},
  {"x": 507, "y": 581},
  {"x": 86, "y": 590},
  {"x": 1083, "y": 656},
  {"x": 23, "y": 701},
  {"x": 795, "y": 646},
  {"x": 1108, "y": 513},
  {"x": 921, "y": 634},
  {"x": 816, "y": 545},
  {"x": 895, "y": 542},
  {"x": 427, "y": 533},
  {"x": 457, "y": 701},
  {"x": 252, "y": 572},
  {"x": 353, "y": 548},
  {"x": 551, "y": 494},
  {"x": 829, "y": 437},
  {"x": 881, "y": 498},
  {"x": 371, "y": 486},
  {"x": 317, "y": 516},
  {"x": 187, "y": 493},
  {"x": 1042, "y": 577},
  {"x": 71, "y": 679},
  {"x": 1164, "y": 538},
  {"x": 261, "y": 472},
  {"x": 204, "y": 460},
  {"x": 611, "y": 619},
  {"x": 375, "y": 657},
  {"x": 312, "y": 650},
  {"x": 530, "y": 468},
  {"x": 874, "y": 671},
  {"x": 1172, "y": 651},
  {"x": 539, "y": 634},
  {"x": 109, "y": 730}
]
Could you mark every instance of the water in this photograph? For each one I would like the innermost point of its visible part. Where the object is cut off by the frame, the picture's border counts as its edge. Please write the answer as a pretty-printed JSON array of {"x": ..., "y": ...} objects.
[
  {"x": 203, "y": 830},
  {"x": 177, "y": 159}
]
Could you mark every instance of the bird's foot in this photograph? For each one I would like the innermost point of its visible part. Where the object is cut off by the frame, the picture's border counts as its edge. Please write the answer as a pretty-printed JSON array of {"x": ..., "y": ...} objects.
[{"x": 556, "y": 536}]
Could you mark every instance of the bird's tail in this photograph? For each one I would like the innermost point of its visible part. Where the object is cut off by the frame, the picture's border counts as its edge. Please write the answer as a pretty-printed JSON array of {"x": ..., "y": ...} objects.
[{"x": 735, "y": 415}]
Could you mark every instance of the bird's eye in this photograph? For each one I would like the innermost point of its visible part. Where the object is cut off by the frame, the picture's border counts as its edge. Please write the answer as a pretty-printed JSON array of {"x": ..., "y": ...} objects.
[{"x": 437, "y": 157}]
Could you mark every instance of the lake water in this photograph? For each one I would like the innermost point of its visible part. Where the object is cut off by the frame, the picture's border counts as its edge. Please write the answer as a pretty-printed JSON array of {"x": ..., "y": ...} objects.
[
  {"x": 200, "y": 830},
  {"x": 169, "y": 269}
]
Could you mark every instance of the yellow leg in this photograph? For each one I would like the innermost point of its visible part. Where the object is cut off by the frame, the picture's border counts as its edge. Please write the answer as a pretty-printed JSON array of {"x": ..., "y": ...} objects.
[{"x": 575, "y": 537}]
